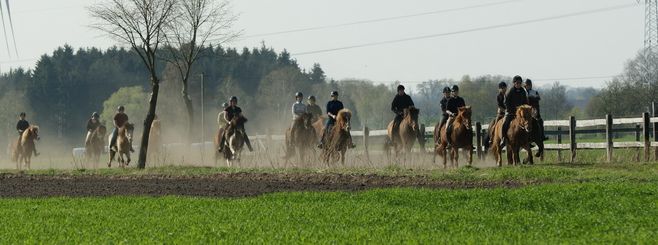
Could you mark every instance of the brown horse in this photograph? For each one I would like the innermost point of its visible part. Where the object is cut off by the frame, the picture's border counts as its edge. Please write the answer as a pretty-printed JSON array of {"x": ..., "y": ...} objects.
[
  {"x": 96, "y": 143},
  {"x": 337, "y": 139},
  {"x": 319, "y": 125},
  {"x": 537, "y": 136},
  {"x": 155, "y": 139},
  {"x": 302, "y": 139},
  {"x": 23, "y": 153},
  {"x": 461, "y": 137},
  {"x": 406, "y": 135},
  {"x": 123, "y": 145},
  {"x": 234, "y": 139},
  {"x": 517, "y": 137}
]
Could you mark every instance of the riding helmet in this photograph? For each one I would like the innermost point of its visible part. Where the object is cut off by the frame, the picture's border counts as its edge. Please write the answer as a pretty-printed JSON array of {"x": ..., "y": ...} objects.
[
  {"x": 446, "y": 89},
  {"x": 224, "y": 105},
  {"x": 22, "y": 113},
  {"x": 299, "y": 94},
  {"x": 312, "y": 97},
  {"x": 517, "y": 78},
  {"x": 233, "y": 98},
  {"x": 528, "y": 82},
  {"x": 120, "y": 108},
  {"x": 454, "y": 88},
  {"x": 502, "y": 85},
  {"x": 334, "y": 93},
  {"x": 95, "y": 114},
  {"x": 400, "y": 87}
]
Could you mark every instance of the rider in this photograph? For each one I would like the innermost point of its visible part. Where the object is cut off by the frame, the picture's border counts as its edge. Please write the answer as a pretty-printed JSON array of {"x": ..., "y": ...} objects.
[
  {"x": 92, "y": 124},
  {"x": 119, "y": 120},
  {"x": 400, "y": 102},
  {"x": 443, "y": 103},
  {"x": 220, "y": 117},
  {"x": 297, "y": 109},
  {"x": 451, "y": 108},
  {"x": 313, "y": 108},
  {"x": 21, "y": 126},
  {"x": 230, "y": 112},
  {"x": 333, "y": 107},
  {"x": 502, "y": 88},
  {"x": 533, "y": 100},
  {"x": 514, "y": 98}
]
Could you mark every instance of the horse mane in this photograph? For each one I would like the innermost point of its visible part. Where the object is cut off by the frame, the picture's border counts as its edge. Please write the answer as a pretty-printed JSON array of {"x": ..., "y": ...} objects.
[
  {"x": 28, "y": 132},
  {"x": 522, "y": 110},
  {"x": 129, "y": 126},
  {"x": 464, "y": 112},
  {"x": 235, "y": 121},
  {"x": 412, "y": 111},
  {"x": 300, "y": 119},
  {"x": 340, "y": 118}
]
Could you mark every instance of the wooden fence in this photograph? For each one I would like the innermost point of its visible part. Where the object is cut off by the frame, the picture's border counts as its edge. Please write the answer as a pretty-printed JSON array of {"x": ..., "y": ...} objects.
[{"x": 644, "y": 127}]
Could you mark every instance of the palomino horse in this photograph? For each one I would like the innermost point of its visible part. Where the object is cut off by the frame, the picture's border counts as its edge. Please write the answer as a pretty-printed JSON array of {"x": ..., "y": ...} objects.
[
  {"x": 302, "y": 138},
  {"x": 234, "y": 139},
  {"x": 337, "y": 139},
  {"x": 461, "y": 137},
  {"x": 23, "y": 152},
  {"x": 96, "y": 144},
  {"x": 517, "y": 137},
  {"x": 406, "y": 135},
  {"x": 123, "y": 145},
  {"x": 319, "y": 125}
]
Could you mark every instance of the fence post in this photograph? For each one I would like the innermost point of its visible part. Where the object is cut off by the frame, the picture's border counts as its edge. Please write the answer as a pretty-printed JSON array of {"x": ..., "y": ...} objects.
[
  {"x": 422, "y": 133},
  {"x": 572, "y": 137},
  {"x": 608, "y": 136},
  {"x": 366, "y": 134},
  {"x": 268, "y": 137},
  {"x": 637, "y": 132},
  {"x": 559, "y": 141},
  {"x": 647, "y": 144},
  {"x": 478, "y": 138}
]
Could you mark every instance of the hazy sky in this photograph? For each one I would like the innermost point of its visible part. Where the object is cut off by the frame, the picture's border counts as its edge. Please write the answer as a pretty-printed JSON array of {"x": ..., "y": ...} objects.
[{"x": 579, "y": 43}]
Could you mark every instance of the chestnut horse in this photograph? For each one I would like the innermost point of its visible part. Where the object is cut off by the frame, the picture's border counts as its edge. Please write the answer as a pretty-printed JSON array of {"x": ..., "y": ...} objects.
[
  {"x": 234, "y": 139},
  {"x": 517, "y": 137},
  {"x": 537, "y": 136},
  {"x": 302, "y": 139},
  {"x": 406, "y": 135},
  {"x": 337, "y": 139},
  {"x": 96, "y": 144},
  {"x": 123, "y": 145},
  {"x": 23, "y": 152},
  {"x": 319, "y": 125},
  {"x": 461, "y": 137}
]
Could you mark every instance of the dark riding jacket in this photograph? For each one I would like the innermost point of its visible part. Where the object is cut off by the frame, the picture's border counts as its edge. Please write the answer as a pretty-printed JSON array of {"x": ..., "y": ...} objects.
[
  {"x": 334, "y": 106},
  {"x": 401, "y": 102},
  {"x": 444, "y": 105},
  {"x": 91, "y": 125},
  {"x": 120, "y": 119},
  {"x": 515, "y": 98},
  {"x": 533, "y": 100},
  {"x": 22, "y": 125},
  {"x": 454, "y": 103},
  {"x": 231, "y": 112},
  {"x": 315, "y": 110},
  {"x": 501, "y": 103}
]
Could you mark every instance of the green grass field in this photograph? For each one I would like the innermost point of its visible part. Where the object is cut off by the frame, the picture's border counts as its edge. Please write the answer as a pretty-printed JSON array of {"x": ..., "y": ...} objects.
[
  {"x": 575, "y": 204},
  {"x": 605, "y": 213}
]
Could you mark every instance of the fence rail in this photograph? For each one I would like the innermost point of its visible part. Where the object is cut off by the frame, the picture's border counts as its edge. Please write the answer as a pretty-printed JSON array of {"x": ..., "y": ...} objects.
[{"x": 643, "y": 127}]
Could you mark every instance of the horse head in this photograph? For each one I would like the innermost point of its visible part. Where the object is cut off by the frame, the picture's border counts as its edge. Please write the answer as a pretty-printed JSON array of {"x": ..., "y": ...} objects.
[
  {"x": 101, "y": 130},
  {"x": 524, "y": 114},
  {"x": 464, "y": 116},
  {"x": 155, "y": 126},
  {"x": 31, "y": 132},
  {"x": 237, "y": 122},
  {"x": 305, "y": 119},
  {"x": 343, "y": 119},
  {"x": 411, "y": 116}
]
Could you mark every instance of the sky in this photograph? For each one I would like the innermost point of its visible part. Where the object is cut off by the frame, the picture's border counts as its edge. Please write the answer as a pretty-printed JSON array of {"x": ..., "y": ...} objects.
[{"x": 578, "y": 43}]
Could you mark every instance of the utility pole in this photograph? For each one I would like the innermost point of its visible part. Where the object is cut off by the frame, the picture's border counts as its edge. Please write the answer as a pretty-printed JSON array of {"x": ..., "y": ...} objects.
[
  {"x": 203, "y": 142},
  {"x": 650, "y": 24}
]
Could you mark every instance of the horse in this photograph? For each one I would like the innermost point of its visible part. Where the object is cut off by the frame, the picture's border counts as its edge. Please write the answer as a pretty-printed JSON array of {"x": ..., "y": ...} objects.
[
  {"x": 406, "y": 135},
  {"x": 537, "y": 136},
  {"x": 217, "y": 140},
  {"x": 96, "y": 143},
  {"x": 517, "y": 137},
  {"x": 302, "y": 139},
  {"x": 23, "y": 153},
  {"x": 234, "y": 139},
  {"x": 123, "y": 145},
  {"x": 319, "y": 125},
  {"x": 155, "y": 139},
  {"x": 461, "y": 137},
  {"x": 337, "y": 139}
]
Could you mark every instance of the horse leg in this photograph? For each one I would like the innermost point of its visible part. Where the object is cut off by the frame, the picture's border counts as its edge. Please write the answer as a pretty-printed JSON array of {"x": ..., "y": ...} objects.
[
  {"x": 128, "y": 156},
  {"x": 510, "y": 157},
  {"x": 528, "y": 159},
  {"x": 470, "y": 155},
  {"x": 342, "y": 158},
  {"x": 109, "y": 163},
  {"x": 455, "y": 158}
]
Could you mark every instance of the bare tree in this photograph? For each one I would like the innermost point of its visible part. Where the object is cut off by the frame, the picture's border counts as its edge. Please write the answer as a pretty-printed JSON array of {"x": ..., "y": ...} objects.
[
  {"x": 199, "y": 23},
  {"x": 141, "y": 25},
  {"x": 554, "y": 102}
]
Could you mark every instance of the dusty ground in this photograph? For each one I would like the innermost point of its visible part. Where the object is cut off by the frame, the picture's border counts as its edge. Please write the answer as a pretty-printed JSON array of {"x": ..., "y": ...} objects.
[{"x": 234, "y": 185}]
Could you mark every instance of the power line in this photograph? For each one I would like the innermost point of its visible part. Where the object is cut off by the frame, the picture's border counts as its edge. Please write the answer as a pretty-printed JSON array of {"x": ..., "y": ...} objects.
[
  {"x": 473, "y": 30},
  {"x": 378, "y": 20}
]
